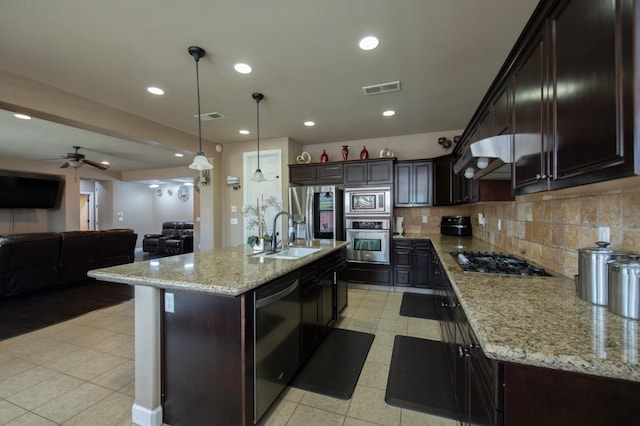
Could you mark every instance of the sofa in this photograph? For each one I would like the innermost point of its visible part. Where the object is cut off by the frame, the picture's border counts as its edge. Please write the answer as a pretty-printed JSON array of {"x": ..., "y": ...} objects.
[
  {"x": 29, "y": 262},
  {"x": 176, "y": 238}
]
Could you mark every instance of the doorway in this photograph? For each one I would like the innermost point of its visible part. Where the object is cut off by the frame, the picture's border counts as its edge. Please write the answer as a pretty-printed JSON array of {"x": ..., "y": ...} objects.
[{"x": 87, "y": 212}]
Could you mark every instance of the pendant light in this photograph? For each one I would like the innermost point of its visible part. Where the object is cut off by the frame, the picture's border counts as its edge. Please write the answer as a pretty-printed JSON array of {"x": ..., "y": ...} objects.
[
  {"x": 258, "y": 176},
  {"x": 200, "y": 162}
]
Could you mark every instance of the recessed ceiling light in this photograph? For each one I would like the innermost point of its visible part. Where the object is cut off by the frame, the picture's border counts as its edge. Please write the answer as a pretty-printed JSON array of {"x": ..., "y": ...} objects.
[
  {"x": 177, "y": 154},
  {"x": 154, "y": 185},
  {"x": 189, "y": 183},
  {"x": 368, "y": 43},
  {"x": 155, "y": 90},
  {"x": 389, "y": 113},
  {"x": 22, "y": 116},
  {"x": 106, "y": 163},
  {"x": 309, "y": 123},
  {"x": 244, "y": 132},
  {"x": 242, "y": 68}
]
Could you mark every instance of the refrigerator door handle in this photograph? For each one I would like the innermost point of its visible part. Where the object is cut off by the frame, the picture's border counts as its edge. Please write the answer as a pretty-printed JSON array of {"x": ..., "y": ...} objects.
[{"x": 310, "y": 218}]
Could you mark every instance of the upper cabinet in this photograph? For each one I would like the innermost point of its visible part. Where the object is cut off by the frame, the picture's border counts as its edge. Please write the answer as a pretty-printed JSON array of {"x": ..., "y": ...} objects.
[
  {"x": 365, "y": 172},
  {"x": 323, "y": 173},
  {"x": 413, "y": 183},
  {"x": 567, "y": 96}
]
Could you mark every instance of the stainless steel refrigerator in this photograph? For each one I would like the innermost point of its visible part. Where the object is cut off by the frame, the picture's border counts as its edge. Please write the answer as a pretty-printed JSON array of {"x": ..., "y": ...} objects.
[{"x": 317, "y": 211}]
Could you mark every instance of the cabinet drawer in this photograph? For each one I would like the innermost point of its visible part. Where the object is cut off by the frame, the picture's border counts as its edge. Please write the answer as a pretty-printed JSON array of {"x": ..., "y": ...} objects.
[{"x": 402, "y": 276}]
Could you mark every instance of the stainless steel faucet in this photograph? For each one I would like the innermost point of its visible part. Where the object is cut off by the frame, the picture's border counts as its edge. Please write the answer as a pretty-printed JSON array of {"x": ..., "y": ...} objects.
[{"x": 292, "y": 231}]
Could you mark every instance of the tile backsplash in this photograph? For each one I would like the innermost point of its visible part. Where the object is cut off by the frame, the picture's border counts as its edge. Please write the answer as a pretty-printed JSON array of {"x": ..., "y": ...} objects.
[{"x": 548, "y": 228}]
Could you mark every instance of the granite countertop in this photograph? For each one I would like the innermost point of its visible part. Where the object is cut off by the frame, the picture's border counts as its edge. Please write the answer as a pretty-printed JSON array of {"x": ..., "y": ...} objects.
[
  {"x": 540, "y": 321},
  {"x": 228, "y": 271}
]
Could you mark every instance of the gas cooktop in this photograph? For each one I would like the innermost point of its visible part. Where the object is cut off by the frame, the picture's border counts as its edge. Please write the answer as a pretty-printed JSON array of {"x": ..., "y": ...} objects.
[{"x": 496, "y": 263}]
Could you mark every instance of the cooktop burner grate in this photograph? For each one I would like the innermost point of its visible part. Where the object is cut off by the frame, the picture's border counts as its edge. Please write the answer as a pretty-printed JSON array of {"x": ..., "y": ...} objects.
[{"x": 496, "y": 263}]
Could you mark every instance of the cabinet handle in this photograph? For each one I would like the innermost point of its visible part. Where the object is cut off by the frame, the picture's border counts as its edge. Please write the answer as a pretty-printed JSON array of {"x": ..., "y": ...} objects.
[
  {"x": 541, "y": 176},
  {"x": 445, "y": 305},
  {"x": 462, "y": 352}
]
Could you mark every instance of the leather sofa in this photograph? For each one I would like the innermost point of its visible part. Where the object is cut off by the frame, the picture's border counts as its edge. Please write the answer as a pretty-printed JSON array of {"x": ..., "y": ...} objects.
[
  {"x": 176, "y": 238},
  {"x": 29, "y": 262}
]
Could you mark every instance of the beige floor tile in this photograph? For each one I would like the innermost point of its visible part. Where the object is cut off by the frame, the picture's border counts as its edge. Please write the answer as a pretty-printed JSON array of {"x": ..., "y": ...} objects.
[
  {"x": 96, "y": 319},
  {"x": 9, "y": 411},
  {"x": 366, "y": 313},
  {"x": 415, "y": 418},
  {"x": 374, "y": 375},
  {"x": 125, "y": 351},
  {"x": 376, "y": 296},
  {"x": 376, "y": 305},
  {"x": 124, "y": 325},
  {"x": 279, "y": 413},
  {"x": 399, "y": 325},
  {"x": 53, "y": 352},
  {"x": 322, "y": 402},
  {"x": 74, "y": 333},
  {"x": 424, "y": 329},
  {"x": 305, "y": 416},
  {"x": 113, "y": 409},
  {"x": 386, "y": 338},
  {"x": 118, "y": 377},
  {"x": 69, "y": 404},
  {"x": 25, "y": 344},
  {"x": 14, "y": 366},
  {"x": 129, "y": 389},
  {"x": 292, "y": 394},
  {"x": 368, "y": 404},
  {"x": 350, "y": 421},
  {"x": 25, "y": 379},
  {"x": 86, "y": 364},
  {"x": 380, "y": 354},
  {"x": 363, "y": 325},
  {"x": 30, "y": 419},
  {"x": 110, "y": 341},
  {"x": 44, "y": 392}
]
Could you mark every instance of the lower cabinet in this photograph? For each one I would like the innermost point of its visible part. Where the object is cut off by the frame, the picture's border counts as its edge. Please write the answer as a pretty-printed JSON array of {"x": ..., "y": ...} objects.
[
  {"x": 370, "y": 273},
  {"x": 416, "y": 264}
]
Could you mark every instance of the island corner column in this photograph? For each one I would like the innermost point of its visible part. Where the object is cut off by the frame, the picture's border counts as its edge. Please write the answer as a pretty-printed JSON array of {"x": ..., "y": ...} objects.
[{"x": 147, "y": 406}]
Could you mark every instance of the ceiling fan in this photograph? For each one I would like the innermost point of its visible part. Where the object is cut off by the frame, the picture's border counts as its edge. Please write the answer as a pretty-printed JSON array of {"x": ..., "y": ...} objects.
[{"x": 77, "y": 160}]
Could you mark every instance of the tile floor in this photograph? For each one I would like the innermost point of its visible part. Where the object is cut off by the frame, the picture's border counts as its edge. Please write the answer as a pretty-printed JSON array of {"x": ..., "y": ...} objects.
[{"x": 81, "y": 372}]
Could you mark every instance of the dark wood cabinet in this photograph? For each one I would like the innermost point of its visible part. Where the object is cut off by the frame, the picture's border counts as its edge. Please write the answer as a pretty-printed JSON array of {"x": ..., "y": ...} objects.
[
  {"x": 531, "y": 147},
  {"x": 364, "y": 172},
  {"x": 370, "y": 273},
  {"x": 305, "y": 174},
  {"x": 413, "y": 183},
  {"x": 443, "y": 180},
  {"x": 413, "y": 263},
  {"x": 451, "y": 189}
]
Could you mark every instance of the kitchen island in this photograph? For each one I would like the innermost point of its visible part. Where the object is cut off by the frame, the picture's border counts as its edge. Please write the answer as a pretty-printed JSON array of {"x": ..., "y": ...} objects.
[
  {"x": 218, "y": 287},
  {"x": 551, "y": 358}
]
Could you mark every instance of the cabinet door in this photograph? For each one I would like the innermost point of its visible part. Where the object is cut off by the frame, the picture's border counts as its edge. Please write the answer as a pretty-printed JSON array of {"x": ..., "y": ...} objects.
[
  {"x": 442, "y": 181},
  {"x": 329, "y": 173},
  {"x": 302, "y": 173},
  {"x": 326, "y": 303},
  {"x": 530, "y": 148},
  {"x": 402, "y": 257},
  {"x": 355, "y": 173},
  {"x": 586, "y": 121},
  {"x": 421, "y": 262},
  {"x": 403, "y": 183},
  {"x": 310, "y": 298},
  {"x": 402, "y": 276},
  {"x": 380, "y": 172},
  {"x": 422, "y": 183}
]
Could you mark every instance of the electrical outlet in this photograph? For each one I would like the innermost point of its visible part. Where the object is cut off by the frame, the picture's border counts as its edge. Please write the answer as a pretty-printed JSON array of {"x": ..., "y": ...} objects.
[
  {"x": 169, "y": 305},
  {"x": 234, "y": 209},
  {"x": 425, "y": 219},
  {"x": 234, "y": 221}
]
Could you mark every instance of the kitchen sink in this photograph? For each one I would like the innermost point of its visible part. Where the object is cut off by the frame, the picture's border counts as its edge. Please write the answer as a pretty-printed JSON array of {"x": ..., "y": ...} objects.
[{"x": 291, "y": 253}]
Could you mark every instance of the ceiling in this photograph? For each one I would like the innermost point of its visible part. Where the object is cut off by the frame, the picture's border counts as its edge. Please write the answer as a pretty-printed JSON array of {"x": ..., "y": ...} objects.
[{"x": 304, "y": 55}]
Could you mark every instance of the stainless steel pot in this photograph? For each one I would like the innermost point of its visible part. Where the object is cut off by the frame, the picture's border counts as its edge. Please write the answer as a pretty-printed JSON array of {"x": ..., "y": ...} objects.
[
  {"x": 592, "y": 272},
  {"x": 624, "y": 287}
]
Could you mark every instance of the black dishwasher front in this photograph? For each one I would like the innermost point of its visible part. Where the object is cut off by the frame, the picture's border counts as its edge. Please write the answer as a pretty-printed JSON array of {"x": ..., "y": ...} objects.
[{"x": 277, "y": 339}]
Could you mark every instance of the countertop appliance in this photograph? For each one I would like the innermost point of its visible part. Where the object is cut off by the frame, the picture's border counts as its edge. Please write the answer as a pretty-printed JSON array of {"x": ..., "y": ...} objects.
[
  {"x": 276, "y": 346},
  {"x": 317, "y": 212},
  {"x": 459, "y": 226},
  {"x": 496, "y": 263},
  {"x": 369, "y": 240}
]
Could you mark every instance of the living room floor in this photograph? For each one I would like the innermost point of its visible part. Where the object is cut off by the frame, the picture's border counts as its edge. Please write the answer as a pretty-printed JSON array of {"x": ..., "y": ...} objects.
[{"x": 81, "y": 372}]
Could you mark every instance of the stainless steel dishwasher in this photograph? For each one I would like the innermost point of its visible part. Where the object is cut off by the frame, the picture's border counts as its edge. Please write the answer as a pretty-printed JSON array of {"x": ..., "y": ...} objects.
[{"x": 277, "y": 340}]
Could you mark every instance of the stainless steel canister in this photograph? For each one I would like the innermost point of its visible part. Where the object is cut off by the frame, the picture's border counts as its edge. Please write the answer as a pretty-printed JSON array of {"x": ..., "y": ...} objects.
[
  {"x": 624, "y": 287},
  {"x": 592, "y": 272}
]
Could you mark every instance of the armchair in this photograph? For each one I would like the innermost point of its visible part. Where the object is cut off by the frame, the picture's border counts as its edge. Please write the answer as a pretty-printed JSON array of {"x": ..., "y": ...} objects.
[{"x": 176, "y": 238}]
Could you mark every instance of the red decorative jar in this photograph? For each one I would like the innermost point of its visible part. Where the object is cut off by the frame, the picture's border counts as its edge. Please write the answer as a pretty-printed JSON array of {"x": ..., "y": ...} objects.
[
  {"x": 364, "y": 154},
  {"x": 324, "y": 157}
]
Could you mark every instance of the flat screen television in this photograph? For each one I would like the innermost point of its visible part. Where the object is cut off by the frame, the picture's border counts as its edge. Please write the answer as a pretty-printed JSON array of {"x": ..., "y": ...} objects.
[{"x": 27, "y": 192}]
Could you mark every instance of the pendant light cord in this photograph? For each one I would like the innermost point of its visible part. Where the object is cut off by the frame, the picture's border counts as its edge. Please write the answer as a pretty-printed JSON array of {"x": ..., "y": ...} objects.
[
  {"x": 199, "y": 117},
  {"x": 258, "y": 130}
]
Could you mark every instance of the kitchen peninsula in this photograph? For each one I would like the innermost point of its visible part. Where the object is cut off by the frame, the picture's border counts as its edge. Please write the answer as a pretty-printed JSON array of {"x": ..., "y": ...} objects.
[{"x": 194, "y": 328}]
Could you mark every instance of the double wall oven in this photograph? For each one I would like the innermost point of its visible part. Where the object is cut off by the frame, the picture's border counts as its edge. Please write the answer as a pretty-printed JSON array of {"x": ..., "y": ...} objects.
[{"x": 368, "y": 224}]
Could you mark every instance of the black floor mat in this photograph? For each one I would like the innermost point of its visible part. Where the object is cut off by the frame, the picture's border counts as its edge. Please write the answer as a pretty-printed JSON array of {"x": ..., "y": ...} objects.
[
  {"x": 419, "y": 377},
  {"x": 421, "y": 305},
  {"x": 30, "y": 312},
  {"x": 334, "y": 368}
]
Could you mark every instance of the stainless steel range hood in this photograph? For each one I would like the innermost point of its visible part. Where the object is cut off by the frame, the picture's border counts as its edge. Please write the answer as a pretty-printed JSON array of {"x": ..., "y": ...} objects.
[{"x": 488, "y": 158}]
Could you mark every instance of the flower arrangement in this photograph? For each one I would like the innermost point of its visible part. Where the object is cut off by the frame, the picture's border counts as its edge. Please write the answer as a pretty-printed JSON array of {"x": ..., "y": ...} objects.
[{"x": 255, "y": 219}]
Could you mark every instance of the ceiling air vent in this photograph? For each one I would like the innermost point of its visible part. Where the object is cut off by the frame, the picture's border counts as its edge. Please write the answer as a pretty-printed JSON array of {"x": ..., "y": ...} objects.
[
  {"x": 210, "y": 116},
  {"x": 378, "y": 89}
]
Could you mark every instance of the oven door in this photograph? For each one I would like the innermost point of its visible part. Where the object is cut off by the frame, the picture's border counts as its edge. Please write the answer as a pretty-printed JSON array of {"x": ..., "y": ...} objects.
[{"x": 368, "y": 245}]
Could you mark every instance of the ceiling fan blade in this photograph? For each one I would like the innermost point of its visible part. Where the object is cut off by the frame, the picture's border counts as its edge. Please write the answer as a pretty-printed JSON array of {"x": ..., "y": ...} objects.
[
  {"x": 65, "y": 165},
  {"x": 94, "y": 164}
]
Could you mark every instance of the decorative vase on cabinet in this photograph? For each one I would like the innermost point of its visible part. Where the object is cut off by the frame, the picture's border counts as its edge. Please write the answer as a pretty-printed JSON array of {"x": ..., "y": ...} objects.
[
  {"x": 345, "y": 152},
  {"x": 324, "y": 157},
  {"x": 364, "y": 154}
]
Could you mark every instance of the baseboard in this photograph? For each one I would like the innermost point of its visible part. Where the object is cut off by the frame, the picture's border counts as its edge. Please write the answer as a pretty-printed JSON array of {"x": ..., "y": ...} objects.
[{"x": 142, "y": 416}]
